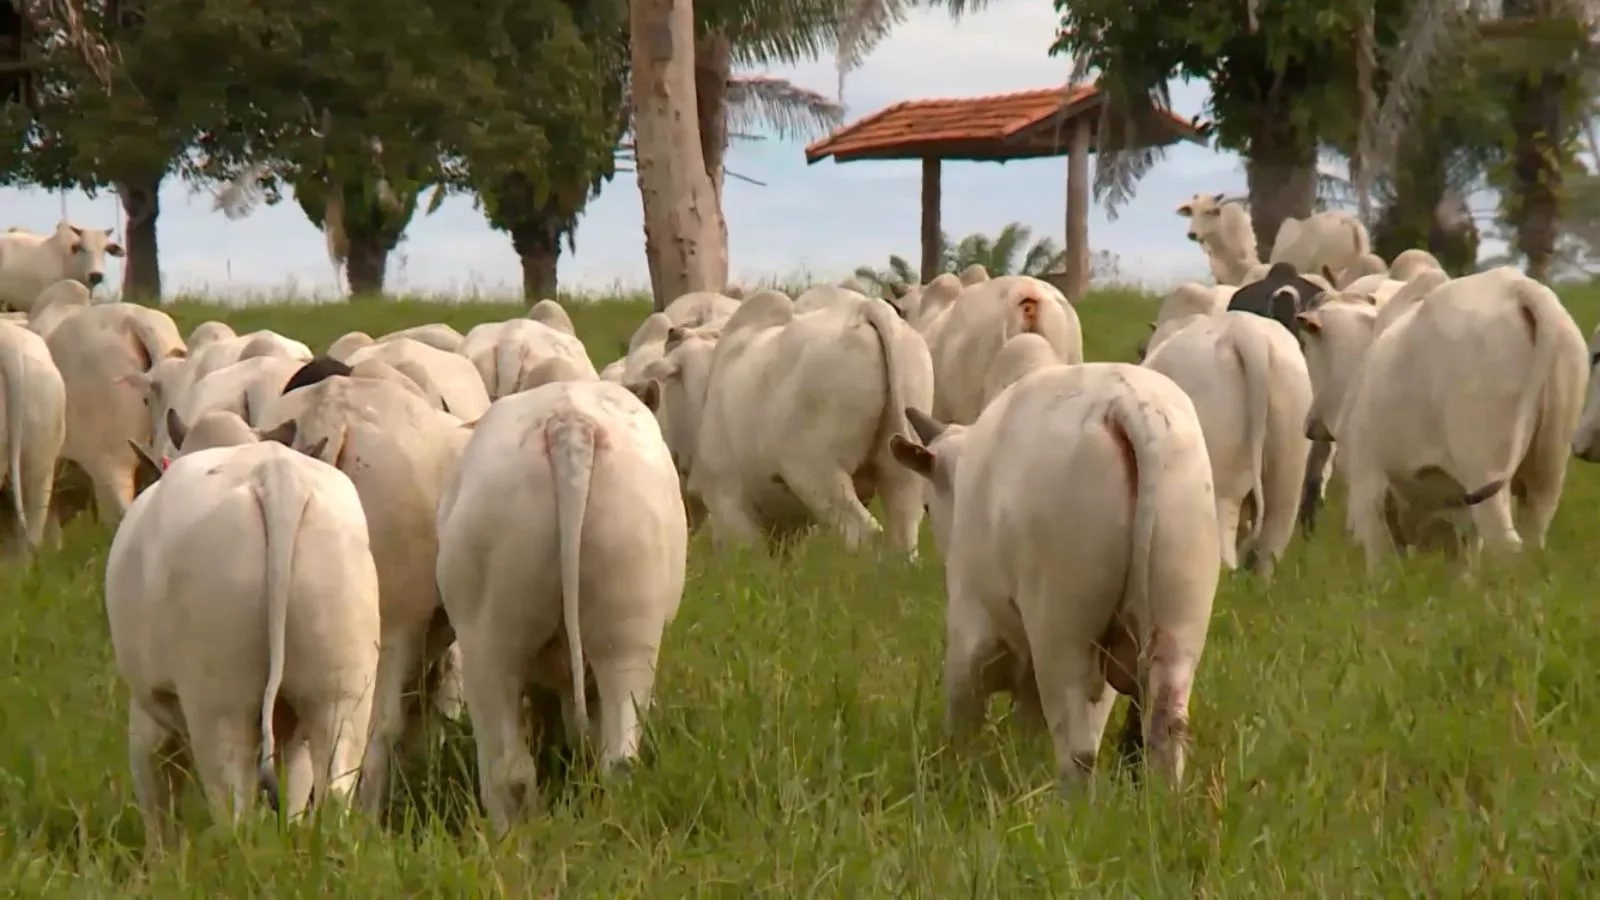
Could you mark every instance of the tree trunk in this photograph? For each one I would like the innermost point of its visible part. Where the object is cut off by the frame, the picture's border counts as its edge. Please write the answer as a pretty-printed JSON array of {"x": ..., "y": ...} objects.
[
  {"x": 141, "y": 267},
  {"x": 713, "y": 66},
  {"x": 1538, "y": 125},
  {"x": 539, "y": 248},
  {"x": 1078, "y": 213},
  {"x": 366, "y": 265},
  {"x": 1281, "y": 170},
  {"x": 683, "y": 234}
]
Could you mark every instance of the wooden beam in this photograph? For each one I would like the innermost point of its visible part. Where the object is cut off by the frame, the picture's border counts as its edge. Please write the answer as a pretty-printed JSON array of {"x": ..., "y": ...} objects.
[
  {"x": 1078, "y": 212},
  {"x": 932, "y": 252}
]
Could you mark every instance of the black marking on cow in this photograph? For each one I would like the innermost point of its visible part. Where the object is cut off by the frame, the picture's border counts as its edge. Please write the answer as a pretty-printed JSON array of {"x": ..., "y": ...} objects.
[
  {"x": 1278, "y": 296},
  {"x": 319, "y": 369}
]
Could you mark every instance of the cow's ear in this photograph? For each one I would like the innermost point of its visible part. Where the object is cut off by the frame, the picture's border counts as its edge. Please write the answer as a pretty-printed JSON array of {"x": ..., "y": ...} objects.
[
  {"x": 1310, "y": 321},
  {"x": 913, "y": 456},
  {"x": 113, "y": 249},
  {"x": 1371, "y": 299},
  {"x": 649, "y": 393},
  {"x": 1328, "y": 274},
  {"x": 1186, "y": 210},
  {"x": 148, "y": 468},
  {"x": 284, "y": 433},
  {"x": 175, "y": 428}
]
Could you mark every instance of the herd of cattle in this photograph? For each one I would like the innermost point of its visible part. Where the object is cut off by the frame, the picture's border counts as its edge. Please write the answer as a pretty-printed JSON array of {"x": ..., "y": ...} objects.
[{"x": 312, "y": 550}]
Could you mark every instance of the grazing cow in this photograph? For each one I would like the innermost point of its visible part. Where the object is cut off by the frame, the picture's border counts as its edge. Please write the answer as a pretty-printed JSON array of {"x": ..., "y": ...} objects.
[
  {"x": 435, "y": 334},
  {"x": 57, "y": 303},
  {"x": 35, "y": 426},
  {"x": 562, "y": 549},
  {"x": 1411, "y": 263},
  {"x": 447, "y": 379},
  {"x": 1333, "y": 239},
  {"x": 1248, "y": 381},
  {"x": 701, "y": 312},
  {"x": 243, "y": 606},
  {"x": 209, "y": 333},
  {"x": 964, "y": 335},
  {"x": 783, "y": 420},
  {"x": 1364, "y": 265},
  {"x": 1188, "y": 299},
  {"x": 1223, "y": 230},
  {"x": 1586, "y": 441},
  {"x": 1046, "y": 512},
  {"x": 399, "y": 452},
  {"x": 248, "y": 388},
  {"x": 29, "y": 263},
  {"x": 1476, "y": 388},
  {"x": 105, "y": 354},
  {"x": 504, "y": 352}
]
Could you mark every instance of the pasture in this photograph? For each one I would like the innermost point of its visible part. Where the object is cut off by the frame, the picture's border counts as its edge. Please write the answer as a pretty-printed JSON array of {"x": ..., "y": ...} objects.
[{"x": 1420, "y": 734}]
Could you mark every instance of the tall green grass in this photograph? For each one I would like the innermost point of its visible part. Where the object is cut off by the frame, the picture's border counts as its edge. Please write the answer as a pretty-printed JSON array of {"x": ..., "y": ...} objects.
[{"x": 1418, "y": 734}]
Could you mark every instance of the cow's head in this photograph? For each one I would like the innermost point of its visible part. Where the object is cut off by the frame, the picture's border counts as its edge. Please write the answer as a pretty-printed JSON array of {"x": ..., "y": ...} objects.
[
  {"x": 674, "y": 387},
  {"x": 1586, "y": 442},
  {"x": 1204, "y": 213},
  {"x": 218, "y": 428},
  {"x": 86, "y": 250},
  {"x": 933, "y": 456},
  {"x": 1336, "y": 336}
]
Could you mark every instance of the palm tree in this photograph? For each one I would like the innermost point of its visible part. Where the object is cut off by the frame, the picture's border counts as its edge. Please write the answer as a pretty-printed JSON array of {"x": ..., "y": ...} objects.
[
  {"x": 1543, "y": 49},
  {"x": 1007, "y": 253}
]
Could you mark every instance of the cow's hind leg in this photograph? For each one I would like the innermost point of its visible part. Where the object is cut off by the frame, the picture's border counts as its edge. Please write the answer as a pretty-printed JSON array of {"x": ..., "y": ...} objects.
[
  {"x": 972, "y": 642},
  {"x": 1494, "y": 523},
  {"x": 155, "y": 755},
  {"x": 1077, "y": 703},
  {"x": 830, "y": 495},
  {"x": 225, "y": 744},
  {"x": 399, "y": 663},
  {"x": 1170, "y": 679},
  {"x": 1228, "y": 515},
  {"x": 336, "y": 732},
  {"x": 625, "y": 680},
  {"x": 1314, "y": 487},
  {"x": 507, "y": 777}
]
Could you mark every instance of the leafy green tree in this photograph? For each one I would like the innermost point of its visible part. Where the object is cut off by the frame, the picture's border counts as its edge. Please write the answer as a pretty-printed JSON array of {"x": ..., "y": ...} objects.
[
  {"x": 560, "y": 107},
  {"x": 1282, "y": 75},
  {"x": 128, "y": 132}
]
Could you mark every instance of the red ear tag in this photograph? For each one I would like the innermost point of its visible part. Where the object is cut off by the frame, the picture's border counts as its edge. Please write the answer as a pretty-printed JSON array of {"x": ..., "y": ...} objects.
[{"x": 165, "y": 461}]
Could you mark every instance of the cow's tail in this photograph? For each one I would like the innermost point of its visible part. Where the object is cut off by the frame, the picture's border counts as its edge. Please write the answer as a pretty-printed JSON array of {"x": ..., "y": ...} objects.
[
  {"x": 1534, "y": 304},
  {"x": 1132, "y": 430},
  {"x": 283, "y": 495},
  {"x": 885, "y": 322},
  {"x": 569, "y": 439},
  {"x": 14, "y": 369},
  {"x": 145, "y": 334},
  {"x": 1023, "y": 311},
  {"x": 509, "y": 357},
  {"x": 1255, "y": 360}
]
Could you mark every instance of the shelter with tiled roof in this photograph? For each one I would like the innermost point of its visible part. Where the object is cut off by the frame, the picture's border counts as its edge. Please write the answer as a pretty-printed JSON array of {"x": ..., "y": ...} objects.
[{"x": 999, "y": 128}]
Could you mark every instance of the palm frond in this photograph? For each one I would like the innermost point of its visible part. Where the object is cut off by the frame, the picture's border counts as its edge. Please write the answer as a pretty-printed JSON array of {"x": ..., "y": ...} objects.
[
  {"x": 787, "y": 110},
  {"x": 862, "y": 25},
  {"x": 1121, "y": 160},
  {"x": 1003, "y": 252},
  {"x": 1426, "y": 34}
]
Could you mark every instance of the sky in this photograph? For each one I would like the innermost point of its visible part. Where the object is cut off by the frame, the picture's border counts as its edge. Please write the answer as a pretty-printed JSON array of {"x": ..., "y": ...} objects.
[{"x": 817, "y": 222}]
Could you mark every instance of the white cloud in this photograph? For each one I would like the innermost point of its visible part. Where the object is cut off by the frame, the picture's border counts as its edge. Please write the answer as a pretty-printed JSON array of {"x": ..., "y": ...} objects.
[{"x": 824, "y": 219}]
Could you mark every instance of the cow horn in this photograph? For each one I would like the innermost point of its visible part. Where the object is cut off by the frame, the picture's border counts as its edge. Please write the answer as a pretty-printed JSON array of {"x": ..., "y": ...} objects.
[{"x": 927, "y": 427}]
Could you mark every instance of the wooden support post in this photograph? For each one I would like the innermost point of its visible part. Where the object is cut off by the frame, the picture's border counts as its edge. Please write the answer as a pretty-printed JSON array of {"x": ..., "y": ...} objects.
[
  {"x": 932, "y": 239},
  {"x": 1078, "y": 211}
]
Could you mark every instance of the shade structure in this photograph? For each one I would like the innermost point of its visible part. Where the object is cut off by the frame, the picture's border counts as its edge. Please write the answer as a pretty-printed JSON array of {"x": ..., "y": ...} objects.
[{"x": 1050, "y": 122}]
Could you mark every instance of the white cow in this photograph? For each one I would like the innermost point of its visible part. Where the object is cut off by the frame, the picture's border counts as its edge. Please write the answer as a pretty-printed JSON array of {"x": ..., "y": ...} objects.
[
  {"x": 1333, "y": 239},
  {"x": 1047, "y": 511},
  {"x": 783, "y": 421},
  {"x": 964, "y": 335},
  {"x": 29, "y": 263},
  {"x": 435, "y": 334},
  {"x": 248, "y": 388},
  {"x": 1411, "y": 263},
  {"x": 1364, "y": 265},
  {"x": 208, "y": 333},
  {"x": 1586, "y": 441},
  {"x": 35, "y": 426},
  {"x": 824, "y": 295},
  {"x": 57, "y": 303},
  {"x": 399, "y": 452},
  {"x": 447, "y": 379},
  {"x": 1474, "y": 389},
  {"x": 699, "y": 312},
  {"x": 505, "y": 352},
  {"x": 1224, "y": 231},
  {"x": 105, "y": 354},
  {"x": 1248, "y": 381},
  {"x": 243, "y": 606},
  {"x": 562, "y": 548},
  {"x": 553, "y": 315}
]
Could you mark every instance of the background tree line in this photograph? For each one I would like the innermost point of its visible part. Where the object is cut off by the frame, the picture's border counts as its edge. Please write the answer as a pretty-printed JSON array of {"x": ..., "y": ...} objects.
[{"x": 366, "y": 113}]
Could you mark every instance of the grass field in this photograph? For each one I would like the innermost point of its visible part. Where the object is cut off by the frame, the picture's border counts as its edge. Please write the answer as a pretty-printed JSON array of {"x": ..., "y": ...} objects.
[{"x": 1413, "y": 735}]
